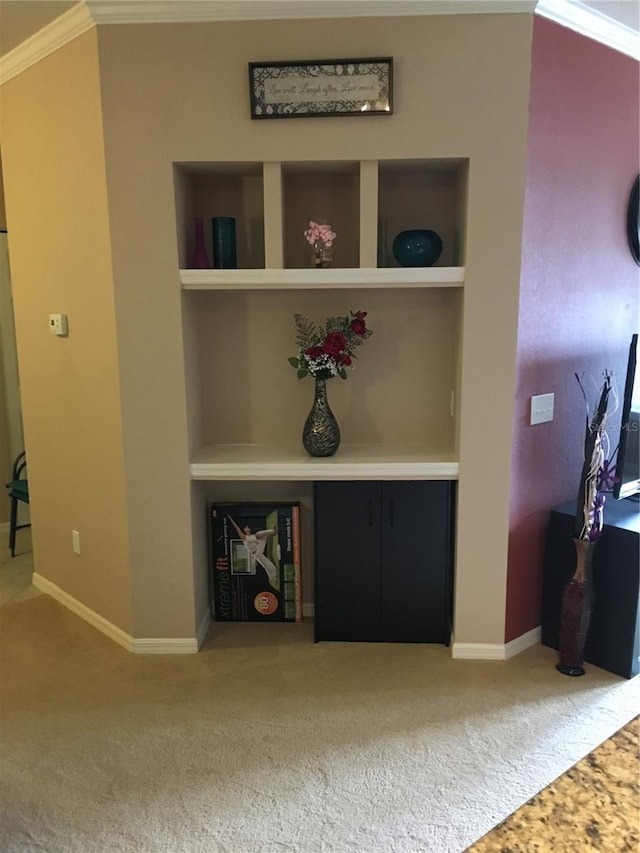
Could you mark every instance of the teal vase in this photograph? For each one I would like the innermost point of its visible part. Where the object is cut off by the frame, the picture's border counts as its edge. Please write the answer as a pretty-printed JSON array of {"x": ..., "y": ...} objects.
[{"x": 417, "y": 248}]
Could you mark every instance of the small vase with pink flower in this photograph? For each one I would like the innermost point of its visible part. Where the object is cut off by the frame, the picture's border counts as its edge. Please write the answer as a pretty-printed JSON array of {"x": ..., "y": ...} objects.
[{"x": 320, "y": 237}]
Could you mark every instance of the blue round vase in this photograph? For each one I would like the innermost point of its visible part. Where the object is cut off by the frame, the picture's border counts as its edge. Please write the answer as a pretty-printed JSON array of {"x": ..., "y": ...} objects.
[{"x": 418, "y": 247}]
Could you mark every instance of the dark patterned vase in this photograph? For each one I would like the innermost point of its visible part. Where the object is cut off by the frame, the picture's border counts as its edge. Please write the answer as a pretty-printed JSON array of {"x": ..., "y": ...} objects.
[
  {"x": 321, "y": 433},
  {"x": 576, "y": 611}
]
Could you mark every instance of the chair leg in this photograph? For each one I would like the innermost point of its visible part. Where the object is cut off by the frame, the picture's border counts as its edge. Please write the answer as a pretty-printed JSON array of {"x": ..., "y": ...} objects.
[{"x": 13, "y": 526}]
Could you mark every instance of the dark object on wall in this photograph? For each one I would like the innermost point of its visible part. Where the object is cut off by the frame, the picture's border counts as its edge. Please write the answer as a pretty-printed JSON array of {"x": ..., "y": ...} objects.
[
  {"x": 383, "y": 561},
  {"x": 633, "y": 220},
  {"x": 200, "y": 259},
  {"x": 323, "y": 87},
  {"x": 224, "y": 242},
  {"x": 613, "y": 642},
  {"x": 18, "y": 489},
  {"x": 321, "y": 433},
  {"x": 628, "y": 458},
  {"x": 418, "y": 247}
]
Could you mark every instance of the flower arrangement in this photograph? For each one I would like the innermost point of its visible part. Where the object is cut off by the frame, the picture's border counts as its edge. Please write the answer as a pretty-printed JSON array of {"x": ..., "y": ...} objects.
[
  {"x": 320, "y": 236},
  {"x": 326, "y": 351},
  {"x": 597, "y": 474},
  {"x": 319, "y": 233}
]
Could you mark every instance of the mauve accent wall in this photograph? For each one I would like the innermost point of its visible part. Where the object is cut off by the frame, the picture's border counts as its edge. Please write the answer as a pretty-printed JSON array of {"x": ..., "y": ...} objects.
[{"x": 579, "y": 283}]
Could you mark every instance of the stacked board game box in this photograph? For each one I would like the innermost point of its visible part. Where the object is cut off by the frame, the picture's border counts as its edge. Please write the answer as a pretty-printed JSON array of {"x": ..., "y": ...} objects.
[{"x": 255, "y": 562}]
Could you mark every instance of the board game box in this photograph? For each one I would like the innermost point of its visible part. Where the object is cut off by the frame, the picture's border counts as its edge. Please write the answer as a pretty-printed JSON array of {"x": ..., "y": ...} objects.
[{"x": 255, "y": 562}]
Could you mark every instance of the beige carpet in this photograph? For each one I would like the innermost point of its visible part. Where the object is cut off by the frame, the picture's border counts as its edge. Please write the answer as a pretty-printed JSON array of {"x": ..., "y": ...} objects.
[{"x": 268, "y": 743}]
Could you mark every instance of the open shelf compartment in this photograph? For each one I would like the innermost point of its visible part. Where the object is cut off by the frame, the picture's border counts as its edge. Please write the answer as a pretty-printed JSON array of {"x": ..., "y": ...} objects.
[
  {"x": 422, "y": 194},
  {"x": 322, "y": 192},
  {"x": 241, "y": 390},
  {"x": 206, "y": 190}
]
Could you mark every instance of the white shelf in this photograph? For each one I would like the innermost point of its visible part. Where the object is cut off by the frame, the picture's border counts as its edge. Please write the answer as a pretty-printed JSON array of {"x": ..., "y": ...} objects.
[
  {"x": 320, "y": 279},
  {"x": 351, "y": 462}
]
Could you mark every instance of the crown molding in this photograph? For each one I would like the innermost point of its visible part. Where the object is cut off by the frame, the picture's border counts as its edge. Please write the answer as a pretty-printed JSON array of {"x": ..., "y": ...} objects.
[
  {"x": 61, "y": 31},
  {"x": 592, "y": 24},
  {"x": 173, "y": 11},
  {"x": 89, "y": 13}
]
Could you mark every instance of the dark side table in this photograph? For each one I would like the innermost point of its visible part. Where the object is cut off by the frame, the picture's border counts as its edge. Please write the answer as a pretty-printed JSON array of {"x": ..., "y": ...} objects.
[{"x": 613, "y": 641}]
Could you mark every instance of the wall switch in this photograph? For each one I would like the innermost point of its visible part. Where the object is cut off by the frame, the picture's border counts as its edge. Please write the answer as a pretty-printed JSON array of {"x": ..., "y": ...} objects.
[
  {"x": 75, "y": 539},
  {"x": 58, "y": 324},
  {"x": 541, "y": 408}
]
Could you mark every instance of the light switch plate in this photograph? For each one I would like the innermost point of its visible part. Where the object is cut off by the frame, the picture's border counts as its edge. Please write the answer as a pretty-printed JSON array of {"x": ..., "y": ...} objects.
[{"x": 541, "y": 408}]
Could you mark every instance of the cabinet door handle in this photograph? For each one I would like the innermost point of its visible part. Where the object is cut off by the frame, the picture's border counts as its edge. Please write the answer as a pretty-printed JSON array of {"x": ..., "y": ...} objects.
[
  {"x": 391, "y": 513},
  {"x": 370, "y": 511}
]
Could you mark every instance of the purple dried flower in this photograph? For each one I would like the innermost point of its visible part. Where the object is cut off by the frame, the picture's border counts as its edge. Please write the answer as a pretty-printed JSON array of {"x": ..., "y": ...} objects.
[{"x": 606, "y": 478}]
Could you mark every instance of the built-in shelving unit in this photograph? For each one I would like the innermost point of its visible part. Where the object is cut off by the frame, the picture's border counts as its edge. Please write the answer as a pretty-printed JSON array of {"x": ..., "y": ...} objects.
[{"x": 246, "y": 408}]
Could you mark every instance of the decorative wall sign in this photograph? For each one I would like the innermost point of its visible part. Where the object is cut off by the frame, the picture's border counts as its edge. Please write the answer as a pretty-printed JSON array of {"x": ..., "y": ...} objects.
[{"x": 325, "y": 87}]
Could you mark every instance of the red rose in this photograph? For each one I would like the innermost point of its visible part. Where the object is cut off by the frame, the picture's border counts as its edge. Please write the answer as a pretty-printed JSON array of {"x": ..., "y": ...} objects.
[
  {"x": 313, "y": 352},
  {"x": 344, "y": 359},
  {"x": 357, "y": 325},
  {"x": 334, "y": 343}
]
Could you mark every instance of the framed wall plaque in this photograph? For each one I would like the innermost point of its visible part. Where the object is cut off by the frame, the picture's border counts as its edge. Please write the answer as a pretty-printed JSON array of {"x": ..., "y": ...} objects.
[{"x": 323, "y": 87}]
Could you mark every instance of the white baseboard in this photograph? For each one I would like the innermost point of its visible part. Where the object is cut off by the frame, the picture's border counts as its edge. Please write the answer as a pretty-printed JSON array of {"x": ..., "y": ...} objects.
[
  {"x": 145, "y": 645},
  {"x": 190, "y": 645},
  {"x": 523, "y": 642},
  {"x": 496, "y": 651},
  {"x": 81, "y": 610},
  {"x": 164, "y": 646}
]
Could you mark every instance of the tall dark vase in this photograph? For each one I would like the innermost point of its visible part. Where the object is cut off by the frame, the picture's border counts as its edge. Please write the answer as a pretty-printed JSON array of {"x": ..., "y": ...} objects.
[
  {"x": 321, "y": 433},
  {"x": 576, "y": 611}
]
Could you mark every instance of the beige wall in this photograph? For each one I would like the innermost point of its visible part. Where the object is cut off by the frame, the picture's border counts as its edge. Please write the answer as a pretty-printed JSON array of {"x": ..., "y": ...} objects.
[
  {"x": 3, "y": 212},
  {"x": 60, "y": 262},
  {"x": 178, "y": 93},
  {"x": 105, "y": 409},
  {"x": 5, "y": 462}
]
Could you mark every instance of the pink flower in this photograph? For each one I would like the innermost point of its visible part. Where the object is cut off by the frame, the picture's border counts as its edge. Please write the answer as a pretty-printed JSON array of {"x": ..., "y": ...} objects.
[{"x": 319, "y": 233}]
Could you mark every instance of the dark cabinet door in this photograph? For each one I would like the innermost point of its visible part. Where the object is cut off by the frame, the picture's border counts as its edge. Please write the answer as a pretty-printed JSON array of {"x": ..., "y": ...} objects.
[
  {"x": 382, "y": 561},
  {"x": 347, "y": 560},
  {"x": 414, "y": 579}
]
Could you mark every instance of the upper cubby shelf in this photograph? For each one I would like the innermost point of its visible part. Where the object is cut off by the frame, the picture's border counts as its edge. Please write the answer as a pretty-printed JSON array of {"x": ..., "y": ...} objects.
[
  {"x": 312, "y": 279},
  {"x": 367, "y": 202}
]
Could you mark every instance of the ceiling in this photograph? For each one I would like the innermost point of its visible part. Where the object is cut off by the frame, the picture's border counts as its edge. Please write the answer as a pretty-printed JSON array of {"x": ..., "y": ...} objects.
[
  {"x": 20, "y": 19},
  {"x": 626, "y": 12}
]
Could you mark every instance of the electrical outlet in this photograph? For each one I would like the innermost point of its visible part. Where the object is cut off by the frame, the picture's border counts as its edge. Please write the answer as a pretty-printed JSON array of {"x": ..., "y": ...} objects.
[
  {"x": 75, "y": 539},
  {"x": 58, "y": 325}
]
